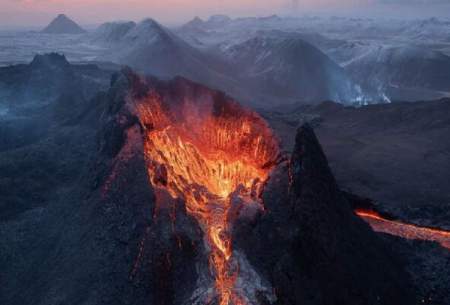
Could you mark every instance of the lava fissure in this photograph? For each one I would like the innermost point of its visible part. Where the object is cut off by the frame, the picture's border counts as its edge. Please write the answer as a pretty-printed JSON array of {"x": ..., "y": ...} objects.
[
  {"x": 404, "y": 230},
  {"x": 215, "y": 156}
]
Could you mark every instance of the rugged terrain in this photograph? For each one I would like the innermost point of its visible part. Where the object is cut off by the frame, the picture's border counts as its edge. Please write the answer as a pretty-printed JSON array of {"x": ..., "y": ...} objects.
[
  {"x": 83, "y": 223},
  {"x": 401, "y": 60},
  {"x": 396, "y": 154}
]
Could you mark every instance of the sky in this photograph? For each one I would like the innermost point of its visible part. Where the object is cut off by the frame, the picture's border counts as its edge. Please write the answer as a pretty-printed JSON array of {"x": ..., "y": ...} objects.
[{"x": 40, "y": 12}]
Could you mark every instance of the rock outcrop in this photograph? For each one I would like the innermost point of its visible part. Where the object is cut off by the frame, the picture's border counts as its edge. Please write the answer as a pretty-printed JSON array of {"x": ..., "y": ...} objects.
[{"x": 309, "y": 243}]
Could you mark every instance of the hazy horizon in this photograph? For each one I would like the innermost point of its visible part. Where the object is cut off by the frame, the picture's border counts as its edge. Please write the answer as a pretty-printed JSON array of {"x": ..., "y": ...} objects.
[{"x": 38, "y": 13}]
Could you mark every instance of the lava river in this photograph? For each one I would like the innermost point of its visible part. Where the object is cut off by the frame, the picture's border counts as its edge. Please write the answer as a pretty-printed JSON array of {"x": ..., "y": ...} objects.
[
  {"x": 216, "y": 157},
  {"x": 404, "y": 230}
]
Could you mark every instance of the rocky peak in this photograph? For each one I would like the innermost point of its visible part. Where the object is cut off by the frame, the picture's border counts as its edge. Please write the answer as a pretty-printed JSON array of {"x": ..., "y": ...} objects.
[
  {"x": 309, "y": 241},
  {"x": 63, "y": 25}
]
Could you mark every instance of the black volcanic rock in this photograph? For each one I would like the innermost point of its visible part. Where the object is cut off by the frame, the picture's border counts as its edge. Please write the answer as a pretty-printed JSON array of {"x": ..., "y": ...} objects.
[
  {"x": 261, "y": 71},
  {"x": 47, "y": 77},
  {"x": 394, "y": 153},
  {"x": 63, "y": 25},
  {"x": 81, "y": 198},
  {"x": 158, "y": 254},
  {"x": 43, "y": 100},
  {"x": 195, "y": 23},
  {"x": 96, "y": 235},
  {"x": 43, "y": 181},
  {"x": 311, "y": 246}
]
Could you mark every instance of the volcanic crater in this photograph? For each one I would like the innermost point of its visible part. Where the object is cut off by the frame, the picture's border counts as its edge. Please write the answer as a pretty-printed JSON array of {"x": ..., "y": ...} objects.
[
  {"x": 234, "y": 220},
  {"x": 214, "y": 155}
]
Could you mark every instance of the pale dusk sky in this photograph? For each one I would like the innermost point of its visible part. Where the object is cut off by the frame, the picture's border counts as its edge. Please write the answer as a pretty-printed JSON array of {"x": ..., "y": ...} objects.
[{"x": 40, "y": 12}]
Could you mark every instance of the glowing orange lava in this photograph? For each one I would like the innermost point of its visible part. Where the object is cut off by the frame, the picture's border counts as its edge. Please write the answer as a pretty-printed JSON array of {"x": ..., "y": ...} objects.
[
  {"x": 207, "y": 153},
  {"x": 408, "y": 231}
]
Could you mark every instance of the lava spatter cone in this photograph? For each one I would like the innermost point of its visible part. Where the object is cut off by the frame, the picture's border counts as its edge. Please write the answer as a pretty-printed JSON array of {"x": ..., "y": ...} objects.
[
  {"x": 203, "y": 148},
  {"x": 234, "y": 225}
]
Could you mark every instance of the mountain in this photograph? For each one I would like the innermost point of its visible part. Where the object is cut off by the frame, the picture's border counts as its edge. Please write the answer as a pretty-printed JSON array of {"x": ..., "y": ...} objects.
[
  {"x": 407, "y": 72},
  {"x": 194, "y": 31},
  {"x": 153, "y": 49},
  {"x": 47, "y": 77},
  {"x": 395, "y": 154},
  {"x": 195, "y": 23},
  {"x": 264, "y": 70},
  {"x": 290, "y": 68},
  {"x": 46, "y": 150},
  {"x": 333, "y": 257},
  {"x": 218, "y": 21},
  {"x": 150, "y": 47},
  {"x": 103, "y": 233},
  {"x": 112, "y": 32},
  {"x": 44, "y": 101},
  {"x": 63, "y": 25}
]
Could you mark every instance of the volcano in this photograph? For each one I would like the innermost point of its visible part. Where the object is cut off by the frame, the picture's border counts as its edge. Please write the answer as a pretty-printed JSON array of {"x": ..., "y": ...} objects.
[
  {"x": 234, "y": 220},
  {"x": 291, "y": 68},
  {"x": 216, "y": 157},
  {"x": 171, "y": 193}
]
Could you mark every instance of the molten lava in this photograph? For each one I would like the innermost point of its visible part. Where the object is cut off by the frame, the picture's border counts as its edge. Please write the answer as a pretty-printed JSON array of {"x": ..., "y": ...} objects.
[
  {"x": 408, "y": 231},
  {"x": 211, "y": 154}
]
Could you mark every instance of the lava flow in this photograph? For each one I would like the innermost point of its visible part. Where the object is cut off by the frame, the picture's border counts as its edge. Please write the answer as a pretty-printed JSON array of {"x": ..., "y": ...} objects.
[
  {"x": 408, "y": 231},
  {"x": 213, "y": 155}
]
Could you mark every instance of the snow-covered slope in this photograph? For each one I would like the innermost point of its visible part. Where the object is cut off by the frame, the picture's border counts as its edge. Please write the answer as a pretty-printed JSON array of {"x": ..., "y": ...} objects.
[
  {"x": 153, "y": 49},
  {"x": 112, "y": 32},
  {"x": 429, "y": 29},
  {"x": 290, "y": 68},
  {"x": 270, "y": 68},
  {"x": 404, "y": 68}
]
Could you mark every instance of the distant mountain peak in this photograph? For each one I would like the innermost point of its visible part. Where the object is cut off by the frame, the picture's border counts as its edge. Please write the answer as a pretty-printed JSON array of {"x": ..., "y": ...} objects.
[
  {"x": 63, "y": 25},
  {"x": 219, "y": 18},
  {"x": 146, "y": 32},
  {"x": 151, "y": 24},
  {"x": 197, "y": 21},
  {"x": 150, "y": 21}
]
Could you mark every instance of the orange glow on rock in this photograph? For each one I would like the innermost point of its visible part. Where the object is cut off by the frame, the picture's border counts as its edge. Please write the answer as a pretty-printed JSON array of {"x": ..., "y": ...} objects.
[
  {"x": 210, "y": 154},
  {"x": 407, "y": 231}
]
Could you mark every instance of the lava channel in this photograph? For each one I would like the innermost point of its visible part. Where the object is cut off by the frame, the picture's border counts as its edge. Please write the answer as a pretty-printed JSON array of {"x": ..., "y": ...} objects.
[
  {"x": 404, "y": 230},
  {"x": 210, "y": 154}
]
